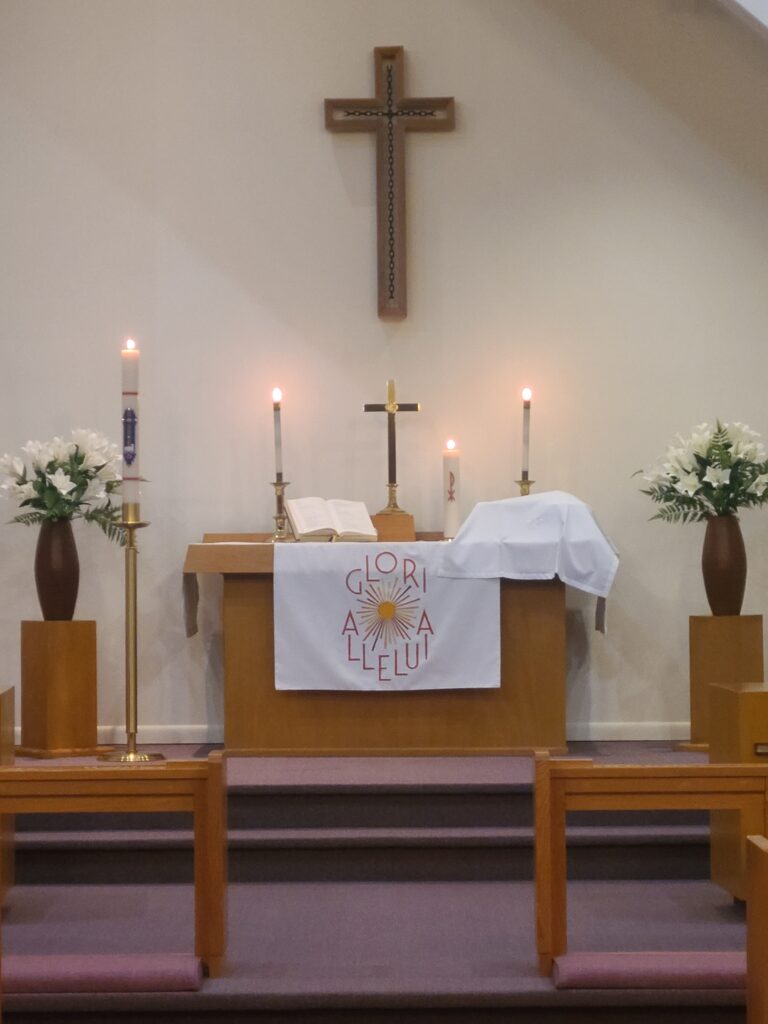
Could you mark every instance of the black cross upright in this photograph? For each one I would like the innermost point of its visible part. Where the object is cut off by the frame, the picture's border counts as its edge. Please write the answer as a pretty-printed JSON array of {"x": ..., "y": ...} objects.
[
  {"x": 390, "y": 114},
  {"x": 391, "y": 407}
]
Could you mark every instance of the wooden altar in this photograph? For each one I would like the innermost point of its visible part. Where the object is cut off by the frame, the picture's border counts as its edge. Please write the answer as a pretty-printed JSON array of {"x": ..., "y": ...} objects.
[{"x": 527, "y": 711}]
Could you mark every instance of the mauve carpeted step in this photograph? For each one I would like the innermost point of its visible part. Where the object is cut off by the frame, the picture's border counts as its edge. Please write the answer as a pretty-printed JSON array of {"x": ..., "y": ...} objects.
[
  {"x": 356, "y": 811},
  {"x": 513, "y": 836},
  {"x": 343, "y": 837},
  {"x": 357, "y": 818},
  {"x": 356, "y": 951},
  {"x": 360, "y": 854},
  {"x": 135, "y": 839}
]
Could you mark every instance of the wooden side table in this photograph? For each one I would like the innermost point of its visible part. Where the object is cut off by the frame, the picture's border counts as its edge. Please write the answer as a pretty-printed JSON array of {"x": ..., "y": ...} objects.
[
  {"x": 723, "y": 649},
  {"x": 58, "y": 689}
]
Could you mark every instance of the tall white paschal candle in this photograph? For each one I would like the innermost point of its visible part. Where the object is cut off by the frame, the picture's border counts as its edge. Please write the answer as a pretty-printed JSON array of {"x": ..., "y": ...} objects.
[
  {"x": 277, "y": 397},
  {"x": 130, "y": 377},
  {"x": 527, "y": 395},
  {"x": 451, "y": 489}
]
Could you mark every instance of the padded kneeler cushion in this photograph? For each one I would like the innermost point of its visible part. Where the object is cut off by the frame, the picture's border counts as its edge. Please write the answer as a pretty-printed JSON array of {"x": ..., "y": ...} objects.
[
  {"x": 121, "y": 972},
  {"x": 700, "y": 970}
]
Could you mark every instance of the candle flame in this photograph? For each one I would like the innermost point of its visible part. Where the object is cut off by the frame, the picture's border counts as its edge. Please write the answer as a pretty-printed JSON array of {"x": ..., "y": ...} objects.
[
  {"x": 450, "y": 444},
  {"x": 130, "y": 344},
  {"x": 277, "y": 395},
  {"x": 527, "y": 394}
]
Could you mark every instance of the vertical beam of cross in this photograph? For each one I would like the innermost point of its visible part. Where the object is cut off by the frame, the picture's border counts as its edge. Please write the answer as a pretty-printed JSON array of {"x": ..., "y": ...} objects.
[{"x": 390, "y": 114}]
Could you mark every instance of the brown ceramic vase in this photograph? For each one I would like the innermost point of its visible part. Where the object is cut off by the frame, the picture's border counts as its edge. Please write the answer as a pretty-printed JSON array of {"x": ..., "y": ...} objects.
[
  {"x": 57, "y": 570},
  {"x": 724, "y": 565}
]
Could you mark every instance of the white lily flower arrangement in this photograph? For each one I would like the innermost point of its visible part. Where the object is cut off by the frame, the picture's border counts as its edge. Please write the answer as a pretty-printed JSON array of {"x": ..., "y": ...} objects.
[
  {"x": 58, "y": 479},
  {"x": 714, "y": 472}
]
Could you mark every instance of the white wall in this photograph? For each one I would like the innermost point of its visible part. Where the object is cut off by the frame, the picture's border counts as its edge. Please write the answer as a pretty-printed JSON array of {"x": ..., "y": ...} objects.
[{"x": 597, "y": 226}]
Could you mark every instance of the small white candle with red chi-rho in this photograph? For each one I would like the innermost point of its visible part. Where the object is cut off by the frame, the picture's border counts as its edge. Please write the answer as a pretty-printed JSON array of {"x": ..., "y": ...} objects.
[
  {"x": 130, "y": 416},
  {"x": 527, "y": 395},
  {"x": 451, "y": 489},
  {"x": 277, "y": 397}
]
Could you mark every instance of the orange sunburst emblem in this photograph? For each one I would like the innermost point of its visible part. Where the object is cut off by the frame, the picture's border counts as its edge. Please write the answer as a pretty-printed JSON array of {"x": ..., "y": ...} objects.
[{"x": 388, "y": 612}]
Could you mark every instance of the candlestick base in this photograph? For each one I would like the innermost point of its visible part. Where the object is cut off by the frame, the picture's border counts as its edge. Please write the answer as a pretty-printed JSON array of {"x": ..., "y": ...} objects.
[
  {"x": 525, "y": 486},
  {"x": 283, "y": 533},
  {"x": 131, "y": 756},
  {"x": 392, "y": 509}
]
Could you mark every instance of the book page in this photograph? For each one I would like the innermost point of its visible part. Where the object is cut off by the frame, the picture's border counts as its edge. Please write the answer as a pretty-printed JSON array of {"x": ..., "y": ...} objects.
[
  {"x": 309, "y": 515},
  {"x": 351, "y": 517}
]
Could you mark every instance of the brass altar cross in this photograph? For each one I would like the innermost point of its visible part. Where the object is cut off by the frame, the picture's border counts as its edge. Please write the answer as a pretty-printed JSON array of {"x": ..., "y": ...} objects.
[
  {"x": 390, "y": 115},
  {"x": 392, "y": 407}
]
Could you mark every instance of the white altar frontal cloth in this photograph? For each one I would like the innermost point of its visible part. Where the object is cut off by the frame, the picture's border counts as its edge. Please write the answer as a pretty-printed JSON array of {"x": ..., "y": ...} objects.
[
  {"x": 379, "y": 617},
  {"x": 536, "y": 537}
]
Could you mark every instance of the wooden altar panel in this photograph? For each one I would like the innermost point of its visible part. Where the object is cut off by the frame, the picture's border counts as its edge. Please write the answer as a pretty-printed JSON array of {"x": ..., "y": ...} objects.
[{"x": 526, "y": 712}]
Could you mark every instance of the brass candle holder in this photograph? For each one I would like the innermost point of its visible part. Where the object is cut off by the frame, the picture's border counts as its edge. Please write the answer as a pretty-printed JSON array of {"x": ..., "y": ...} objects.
[
  {"x": 131, "y": 522},
  {"x": 525, "y": 485},
  {"x": 392, "y": 507},
  {"x": 282, "y": 534}
]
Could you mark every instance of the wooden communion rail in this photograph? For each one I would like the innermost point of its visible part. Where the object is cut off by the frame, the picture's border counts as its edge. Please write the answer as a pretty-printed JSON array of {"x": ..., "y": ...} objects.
[
  {"x": 197, "y": 787},
  {"x": 575, "y": 785}
]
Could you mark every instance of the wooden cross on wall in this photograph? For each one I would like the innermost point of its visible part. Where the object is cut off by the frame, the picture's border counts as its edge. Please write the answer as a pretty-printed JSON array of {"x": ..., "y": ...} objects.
[{"x": 390, "y": 114}]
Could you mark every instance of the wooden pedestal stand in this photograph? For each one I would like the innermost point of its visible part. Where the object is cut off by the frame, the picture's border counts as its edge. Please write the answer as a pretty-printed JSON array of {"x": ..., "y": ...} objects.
[
  {"x": 394, "y": 526},
  {"x": 723, "y": 649},
  {"x": 58, "y": 689}
]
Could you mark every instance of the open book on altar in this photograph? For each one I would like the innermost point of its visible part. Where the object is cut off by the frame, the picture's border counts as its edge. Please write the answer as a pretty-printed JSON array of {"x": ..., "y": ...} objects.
[{"x": 333, "y": 519}]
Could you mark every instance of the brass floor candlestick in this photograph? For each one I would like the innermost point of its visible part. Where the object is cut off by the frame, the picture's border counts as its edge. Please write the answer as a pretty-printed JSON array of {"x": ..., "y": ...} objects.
[
  {"x": 525, "y": 486},
  {"x": 282, "y": 534},
  {"x": 131, "y": 522}
]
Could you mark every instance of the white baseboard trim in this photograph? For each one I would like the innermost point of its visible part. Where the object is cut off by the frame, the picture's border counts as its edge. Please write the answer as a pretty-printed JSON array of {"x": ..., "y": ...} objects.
[
  {"x": 111, "y": 734},
  {"x": 628, "y": 731},
  {"x": 163, "y": 734}
]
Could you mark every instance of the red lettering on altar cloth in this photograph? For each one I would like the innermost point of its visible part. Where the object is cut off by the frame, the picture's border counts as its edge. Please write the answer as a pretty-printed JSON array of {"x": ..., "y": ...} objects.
[
  {"x": 349, "y": 649},
  {"x": 351, "y": 589},
  {"x": 350, "y": 626},
  {"x": 409, "y": 574},
  {"x": 381, "y": 568},
  {"x": 368, "y": 577},
  {"x": 424, "y": 626},
  {"x": 407, "y": 658}
]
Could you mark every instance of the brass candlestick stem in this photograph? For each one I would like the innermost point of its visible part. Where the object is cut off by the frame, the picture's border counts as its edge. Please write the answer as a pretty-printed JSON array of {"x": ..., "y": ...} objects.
[
  {"x": 131, "y": 522},
  {"x": 392, "y": 507},
  {"x": 282, "y": 534},
  {"x": 525, "y": 485}
]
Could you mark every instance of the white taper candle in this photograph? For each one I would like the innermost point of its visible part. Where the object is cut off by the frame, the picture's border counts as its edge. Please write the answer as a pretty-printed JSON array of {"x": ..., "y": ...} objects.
[
  {"x": 527, "y": 394},
  {"x": 277, "y": 397}
]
